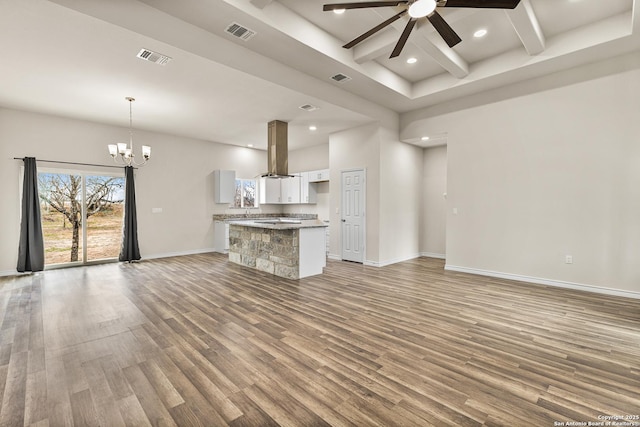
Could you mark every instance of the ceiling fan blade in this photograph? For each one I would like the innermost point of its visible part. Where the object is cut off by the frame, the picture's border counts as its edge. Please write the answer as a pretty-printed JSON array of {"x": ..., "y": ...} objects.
[
  {"x": 403, "y": 38},
  {"x": 362, "y": 5},
  {"x": 444, "y": 29},
  {"x": 490, "y": 4},
  {"x": 374, "y": 30}
]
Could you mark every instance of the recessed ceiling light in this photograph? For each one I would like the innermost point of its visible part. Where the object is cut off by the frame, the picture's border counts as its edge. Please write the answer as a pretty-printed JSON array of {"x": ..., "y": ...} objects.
[
  {"x": 480, "y": 33},
  {"x": 425, "y": 138},
  {"x": 338, "y": 11},
  {"x": 412, "y": 60},
  {"x": 250, "y": 145},
  {"x": 312, "y": 127}
]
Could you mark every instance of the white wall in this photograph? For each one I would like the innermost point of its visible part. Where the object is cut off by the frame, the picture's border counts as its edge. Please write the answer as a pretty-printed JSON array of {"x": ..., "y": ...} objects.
[
  {"x": 357, "y": 148},
  {"x": 179, "y": 178},
  {"x": 550, "y": 173},
  {"x": 393, "y": 180},
  {"x": 434, "y": 208},
  {"x": 400, "y": 199}
]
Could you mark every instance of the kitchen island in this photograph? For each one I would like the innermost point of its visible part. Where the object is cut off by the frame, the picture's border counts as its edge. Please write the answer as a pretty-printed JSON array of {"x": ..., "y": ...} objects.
[{"x": 285, "y": 247}]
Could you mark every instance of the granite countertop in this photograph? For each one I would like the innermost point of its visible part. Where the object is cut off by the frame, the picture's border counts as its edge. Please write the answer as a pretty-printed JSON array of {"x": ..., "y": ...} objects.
[
  {"x": 228, "y": 217},
  {"x": 279, "y": 223}
]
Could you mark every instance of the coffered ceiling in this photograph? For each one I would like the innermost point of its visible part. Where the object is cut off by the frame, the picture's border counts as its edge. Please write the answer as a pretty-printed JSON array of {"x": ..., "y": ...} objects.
[
  {"x": 77, "y": 58},
  {"x": 538, "y": 37}
]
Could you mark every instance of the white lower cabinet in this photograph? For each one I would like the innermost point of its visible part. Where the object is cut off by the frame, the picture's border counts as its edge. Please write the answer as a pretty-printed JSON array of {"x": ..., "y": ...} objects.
[{"x": 221, "y": 237}]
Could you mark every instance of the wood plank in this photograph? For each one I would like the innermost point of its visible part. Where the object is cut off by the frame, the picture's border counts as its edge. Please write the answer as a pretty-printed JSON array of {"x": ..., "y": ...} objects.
[
  {"x": 199, "y": 341},
  {"x": 12, "y": 407}
]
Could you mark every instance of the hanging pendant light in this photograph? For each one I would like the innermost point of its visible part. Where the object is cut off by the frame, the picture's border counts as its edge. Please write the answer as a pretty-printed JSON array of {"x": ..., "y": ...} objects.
[{"x": 123, "y": 153}]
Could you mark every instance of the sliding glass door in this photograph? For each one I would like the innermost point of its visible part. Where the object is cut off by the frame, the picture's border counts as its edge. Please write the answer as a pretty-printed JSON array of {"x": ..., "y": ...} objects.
[{"x": 81, "y": 216}]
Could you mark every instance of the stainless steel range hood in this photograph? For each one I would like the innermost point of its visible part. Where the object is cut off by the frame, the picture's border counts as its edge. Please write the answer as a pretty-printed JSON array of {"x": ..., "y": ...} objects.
[{"x": 277, "y": 150}]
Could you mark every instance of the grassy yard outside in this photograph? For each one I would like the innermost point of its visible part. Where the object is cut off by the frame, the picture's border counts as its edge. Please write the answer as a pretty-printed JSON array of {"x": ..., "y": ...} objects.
[{"x": 104, "y": 235}]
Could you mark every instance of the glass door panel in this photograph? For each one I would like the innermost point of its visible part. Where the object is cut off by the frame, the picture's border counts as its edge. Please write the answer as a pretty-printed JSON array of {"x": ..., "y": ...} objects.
[
  {"x": 104, "y": 211},
  {"x": 61, "y": 212}
]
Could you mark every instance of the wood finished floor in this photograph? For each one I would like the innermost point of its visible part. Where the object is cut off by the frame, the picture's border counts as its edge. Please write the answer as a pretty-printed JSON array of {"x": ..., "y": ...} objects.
[{"x": 200, "y": 341}]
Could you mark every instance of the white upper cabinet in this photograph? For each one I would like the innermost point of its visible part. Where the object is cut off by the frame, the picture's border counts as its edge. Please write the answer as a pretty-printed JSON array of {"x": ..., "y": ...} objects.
[
  {"x": 290, "y": 189},
  {"x": 270, "y": 191},
  {"x": 224, "y": 187},
  {"x": 298, "y": 189},
  {"x": 319, "y": 175},
  {"x": 307, "y": 190},
  {"x": 280, "y": 190}
]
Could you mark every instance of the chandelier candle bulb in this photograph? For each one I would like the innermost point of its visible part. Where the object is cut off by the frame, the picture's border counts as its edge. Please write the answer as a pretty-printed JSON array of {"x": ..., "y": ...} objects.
[{"x": 125, "y": 151}]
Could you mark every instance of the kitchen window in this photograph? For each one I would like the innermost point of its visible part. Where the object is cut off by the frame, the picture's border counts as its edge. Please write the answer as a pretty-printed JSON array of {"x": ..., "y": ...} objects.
[{"x": 246, "y": 195}]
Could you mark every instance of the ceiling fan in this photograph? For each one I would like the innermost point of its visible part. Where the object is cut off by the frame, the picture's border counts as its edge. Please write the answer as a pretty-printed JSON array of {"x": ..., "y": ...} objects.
[{"x": 419, "y": 9}]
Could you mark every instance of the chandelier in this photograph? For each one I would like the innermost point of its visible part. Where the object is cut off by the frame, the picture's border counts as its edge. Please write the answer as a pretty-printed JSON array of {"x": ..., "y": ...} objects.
[{"x": 123, "y": 154}]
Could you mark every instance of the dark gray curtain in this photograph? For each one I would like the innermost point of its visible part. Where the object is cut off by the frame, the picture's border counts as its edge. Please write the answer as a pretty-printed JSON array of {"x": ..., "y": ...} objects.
[
  {"x": 31, "y": 247},
  {"x": 129, "y": 251}
]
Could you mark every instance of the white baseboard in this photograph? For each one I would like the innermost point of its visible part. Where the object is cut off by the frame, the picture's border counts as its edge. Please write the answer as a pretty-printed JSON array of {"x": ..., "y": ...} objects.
[
  {"x": 391, "y": 261},
  {"x": 11, "y": 273},
  {"x": 181, "y": 253},
  {"x": 542, "y": 281},
  {"x": 152, "y": 256},
  {"x": 433, "y": 255},
  {"x": 370, "y": 263}
]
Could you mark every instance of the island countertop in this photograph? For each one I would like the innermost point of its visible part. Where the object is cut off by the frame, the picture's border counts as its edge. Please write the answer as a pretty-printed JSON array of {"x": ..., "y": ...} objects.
[
  {"x": 285, "y": 247},
  {"x": 279, "y": 223}
]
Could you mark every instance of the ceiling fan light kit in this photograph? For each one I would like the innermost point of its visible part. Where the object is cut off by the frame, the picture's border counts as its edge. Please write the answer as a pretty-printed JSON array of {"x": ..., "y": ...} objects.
[{"x": 419, "y": 9}]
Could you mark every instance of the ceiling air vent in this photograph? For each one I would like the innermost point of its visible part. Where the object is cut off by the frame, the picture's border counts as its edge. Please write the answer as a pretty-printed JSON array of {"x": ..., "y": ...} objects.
[
  {"x": 237, "y": 30},
  {"x": 340, "y": 78},
  {"x": 156, "y": 58},
  {"x": 309, "y": 107}
]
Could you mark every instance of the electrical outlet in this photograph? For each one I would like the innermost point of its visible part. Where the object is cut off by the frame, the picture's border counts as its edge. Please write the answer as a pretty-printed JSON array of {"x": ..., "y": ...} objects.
[{"x": 568, "y": 259}]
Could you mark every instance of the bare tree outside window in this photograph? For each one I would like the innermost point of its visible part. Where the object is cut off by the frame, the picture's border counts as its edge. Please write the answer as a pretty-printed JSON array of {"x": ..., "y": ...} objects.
[{"x": 62, "y": 194}]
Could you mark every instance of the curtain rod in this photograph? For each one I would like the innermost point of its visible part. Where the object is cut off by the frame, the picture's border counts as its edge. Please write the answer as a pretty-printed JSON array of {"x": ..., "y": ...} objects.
[{"x": 72, "y": 163}]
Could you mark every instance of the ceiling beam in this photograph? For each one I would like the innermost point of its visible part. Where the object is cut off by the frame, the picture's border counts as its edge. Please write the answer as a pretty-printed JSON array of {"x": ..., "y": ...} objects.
[
  {"x": 446, "y": 57},
  {"x": 425, "y": 38},
  {"x": 635, "y": 17},
  {"x": 526, "y": 24},
  {"x": 285, "y": 21},
  {"x": 261, "y": 4},
  {"x": 375, "y": 47}
]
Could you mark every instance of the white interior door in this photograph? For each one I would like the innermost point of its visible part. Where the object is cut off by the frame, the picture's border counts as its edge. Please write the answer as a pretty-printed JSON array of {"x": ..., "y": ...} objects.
[{"x": 353, "y": 221}]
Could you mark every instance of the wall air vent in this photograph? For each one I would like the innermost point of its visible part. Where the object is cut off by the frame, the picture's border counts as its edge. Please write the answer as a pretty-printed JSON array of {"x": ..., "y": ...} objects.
[
  {"x": 237, "y": 30},
  {"x": 340, "y": 78},
  {"x": 156, "y": 58},
  {"x": 309, "y": 107}
]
